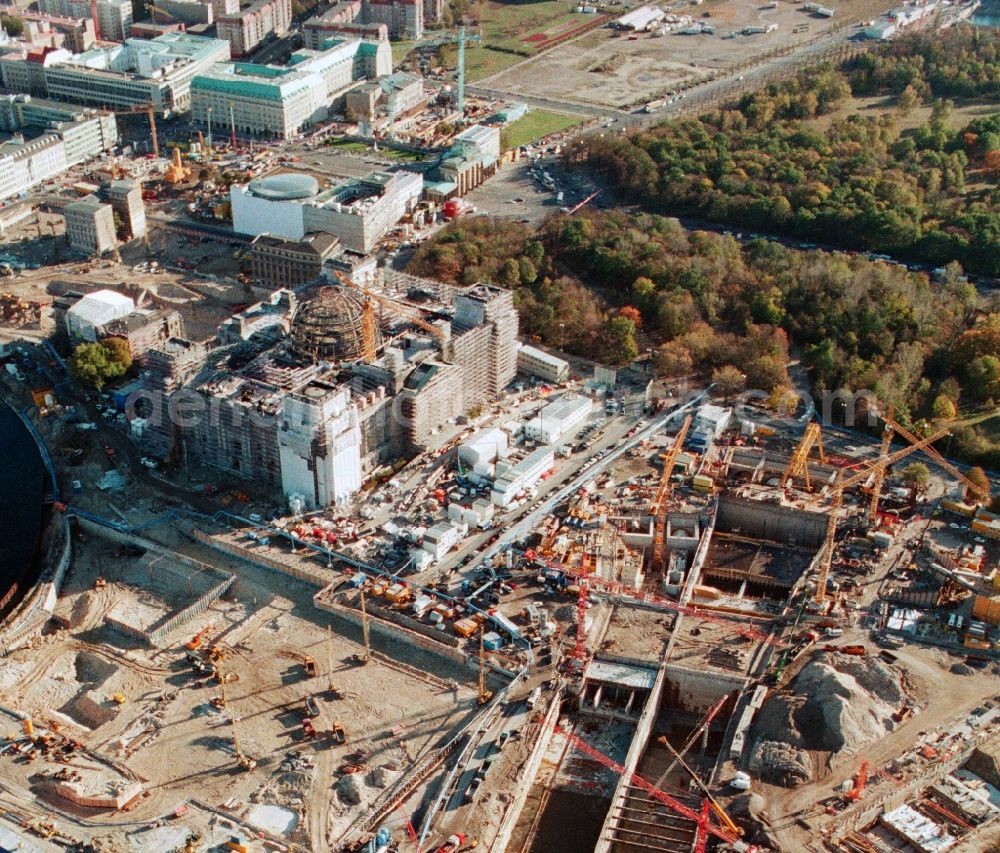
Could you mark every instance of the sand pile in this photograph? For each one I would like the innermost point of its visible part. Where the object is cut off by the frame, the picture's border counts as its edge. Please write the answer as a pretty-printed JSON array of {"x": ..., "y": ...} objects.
[{"x": 836, "y": 703}]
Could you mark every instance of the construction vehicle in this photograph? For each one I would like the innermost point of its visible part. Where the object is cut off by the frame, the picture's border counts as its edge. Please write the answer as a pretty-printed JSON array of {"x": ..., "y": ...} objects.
[
  {"x": 337, "y": 734},
  {"x": 856, "y": 651},
  {"x": 365, "y": 656},
  {"x": 309, "y": 664},
  {"x": 452, "y": 843},
  {"x": 484, "y": 694},
  {"x": 236, "y": 845},
  {"x": 196, "y": 641},
  {"x": 860, "y": 781},
  {"x": 311, "y": 706},
  {"x": 661, "y": 503},
  {"x": 118, "y": 698}
]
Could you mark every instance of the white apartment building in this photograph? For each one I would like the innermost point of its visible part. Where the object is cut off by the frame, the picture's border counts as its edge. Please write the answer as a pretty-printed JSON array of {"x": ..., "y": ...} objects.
[{"x": 24, "y": 164}]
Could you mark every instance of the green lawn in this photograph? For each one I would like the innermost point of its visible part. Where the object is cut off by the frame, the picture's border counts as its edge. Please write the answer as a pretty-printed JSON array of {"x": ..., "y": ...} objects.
[
  {"x": 536, "y": 124},
  {"x": 399, "y": 51}
]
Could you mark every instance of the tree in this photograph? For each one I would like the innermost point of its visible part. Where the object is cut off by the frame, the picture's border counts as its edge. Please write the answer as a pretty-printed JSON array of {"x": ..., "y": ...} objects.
[
  {"x": 908, "y": 99},
  {"x": 618, "y": 339},
  {"x": 729, "y": 380},
  {"x": 632, "y": 313},
  {"x": 943, "y": 409},
  {"x": 673, "y": 359},
  {"x": 96, "y": 364},
  {"x": 983, "y": 377},
  {"x": 978, "y": 477},
  {"x": 916, "y": 476},
  {"x": 12, "y": 24}
]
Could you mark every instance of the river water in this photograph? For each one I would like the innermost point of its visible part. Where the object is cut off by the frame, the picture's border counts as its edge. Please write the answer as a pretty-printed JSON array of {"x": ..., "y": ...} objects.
[{"x": 22, "y": 485}]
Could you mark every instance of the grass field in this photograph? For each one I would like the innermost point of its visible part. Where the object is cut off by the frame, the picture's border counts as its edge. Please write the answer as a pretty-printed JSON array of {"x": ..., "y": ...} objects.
[
  {"x": 536, "y": 124},
  {"x": 507, "y": 25},
  {"x": 399, "y": 51}
]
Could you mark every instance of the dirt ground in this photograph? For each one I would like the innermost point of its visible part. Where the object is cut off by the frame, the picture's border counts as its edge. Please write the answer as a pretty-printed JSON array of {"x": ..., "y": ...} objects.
[
  {"x": 605, "y": 67},
  {"x": 167, "y": 730}
]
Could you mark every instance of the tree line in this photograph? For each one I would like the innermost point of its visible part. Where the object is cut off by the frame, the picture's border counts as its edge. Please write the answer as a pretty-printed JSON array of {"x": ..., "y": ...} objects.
[{"x": 862, "y": 182}]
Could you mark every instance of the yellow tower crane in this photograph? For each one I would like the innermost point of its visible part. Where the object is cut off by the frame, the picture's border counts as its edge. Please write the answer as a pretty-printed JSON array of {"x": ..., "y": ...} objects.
[
  {"x": 151, "y": 115},
  {"x": 484, "y": 694},
  {"x": 880, "y": 471},
  {"x": 976, "y": 490},
  {"x": 243, "y": 761},
  {"x": 662, "y": 501},
  {"x": 798, "y": 464},
  {"x": 838, "y": 498}
]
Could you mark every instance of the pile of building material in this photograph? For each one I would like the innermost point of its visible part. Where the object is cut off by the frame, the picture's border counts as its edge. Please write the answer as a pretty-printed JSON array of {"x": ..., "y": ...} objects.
[{"x": 836, "y": 703}]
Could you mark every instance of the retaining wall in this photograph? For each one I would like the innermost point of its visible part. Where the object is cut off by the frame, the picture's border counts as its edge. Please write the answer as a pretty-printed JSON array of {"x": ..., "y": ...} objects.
[
  {"x": 198, "y": 606},
  {"x": 531, "y": 766},
  {"x": 254, "y": 557},
  {"x": 125, "y": 628},
  {"x": 773, "y": 523}
]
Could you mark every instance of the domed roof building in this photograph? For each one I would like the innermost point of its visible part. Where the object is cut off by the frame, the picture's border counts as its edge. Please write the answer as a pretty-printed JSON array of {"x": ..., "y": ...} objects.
[
  {"x": 330, "y": 326},
  {"x": 284, "y": 186}
]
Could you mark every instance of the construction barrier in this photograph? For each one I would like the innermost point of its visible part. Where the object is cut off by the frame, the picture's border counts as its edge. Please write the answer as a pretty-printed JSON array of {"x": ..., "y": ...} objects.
[{"x": 198, "y": 606}]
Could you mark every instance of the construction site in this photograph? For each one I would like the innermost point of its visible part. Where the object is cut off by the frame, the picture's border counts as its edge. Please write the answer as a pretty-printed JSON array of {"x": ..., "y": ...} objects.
[{"x": 527, "y": 615}]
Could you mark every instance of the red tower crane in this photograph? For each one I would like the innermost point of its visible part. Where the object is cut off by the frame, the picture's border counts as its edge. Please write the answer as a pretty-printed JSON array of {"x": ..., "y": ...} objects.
[
  {"x": 705, "y": 827},
  {"x": 858, "y": 788}
]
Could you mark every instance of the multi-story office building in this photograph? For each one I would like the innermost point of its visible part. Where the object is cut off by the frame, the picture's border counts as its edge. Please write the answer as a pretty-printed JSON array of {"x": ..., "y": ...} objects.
[
  {"x": 69, "y": 135},
  {"x": 281, "y": 263},
  {"x": 245, "y": 29},
  {"x": 271, "y": 101},
  {"x": 90, "y": 226},
  {"x": 359, "y": 212},
  {"x": 157, "y": 71}
]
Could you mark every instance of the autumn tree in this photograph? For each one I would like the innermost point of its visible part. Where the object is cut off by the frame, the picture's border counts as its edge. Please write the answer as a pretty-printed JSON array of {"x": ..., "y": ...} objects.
[
  {"x": 95, "y": 364},
  {"x": 916, "y": 476},
  {"x": 977, "y": 476},
  {"x": 728, "y": 380}
]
